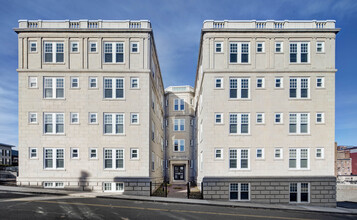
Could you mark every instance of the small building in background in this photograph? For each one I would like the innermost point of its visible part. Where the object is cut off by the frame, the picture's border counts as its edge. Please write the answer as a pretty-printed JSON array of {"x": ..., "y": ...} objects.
[
  {"x": 15, "y": 157},
  {"x": 5, "y": 154}
]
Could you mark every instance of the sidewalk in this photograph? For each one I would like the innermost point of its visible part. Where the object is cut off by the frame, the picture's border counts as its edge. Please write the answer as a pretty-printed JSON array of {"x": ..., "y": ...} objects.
[{"x": 304, "y": 208}]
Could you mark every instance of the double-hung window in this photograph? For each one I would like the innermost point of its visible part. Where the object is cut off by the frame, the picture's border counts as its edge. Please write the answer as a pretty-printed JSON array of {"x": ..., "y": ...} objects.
[
  {"x": 179, "y": 124},
  {"x": 134, "y": 118},
  {"x": 32, "y": 82},
  {"x": 53, "y": 87},
  {"x": 299, "y": 88},
  {"x": 32, "y": 118},
  {"x": 239, "y": 159},
  {"x": 320, "y": 153},
  {"x": 179, "y": 105},
  {"x": 113, "y": 159},
  {"x": 113, "y": 123},
  {"x": 278, "y": 153},
  {"x": 113, "y": 52},
  {"x": 93, "y": 47},
  {"x": 299, "y": 192},
  {"x": 92, "y": 82},
  {"x": 278, "y": 83},
  {"x": 239, "y": 191},
  {"x": 74, "y": 153},
  {"x": 320, "y": 118},
  {"x": 260, "y": 153},
  {"x": 53, "y": 158},
  {"x": 113, "y": 88},
  {"x": 74, "y": 82},
  {"x": 134, "y": 83},
  {"x": 320, "y": 47},
  {"x": 260, "y": 118},
  {"x": 54, "y": 123},
  {"x": 93, "y": 153},
  {"x": 299, "y": 123},
  {"x": 33, "y": 47},
  {"x": 33, "y": 153},
  {"x": 299, "y": 52},
  {"x": 74, "y": 118},
  {"x": 239, "y": 52},
  {"x": 134, "y": 154},
  {"x": 239, "y": 88},
  {"x": 260, "y": 83},
  {"x": 74, "y": 47},
  {"x": 278, "y": 118},
  {"x": 299, "y": 158},
  {"x": 320, "y": 82},
  {"x": 218, "y": 118},
  {"x": 134, "y": 47},
  {"x": 218, "y": 153},
  {"x": 278, "y": 47},
  {"x": 93, "y": 118},
  {"x": 218, "y": 83},
  {"x": 238, "y": 123},
  {"x": 218, "y": 47},
  {"x": 260, "y": 47},
  {"x": 54, "y": 52},
  {"x": 179, "y": 145}
]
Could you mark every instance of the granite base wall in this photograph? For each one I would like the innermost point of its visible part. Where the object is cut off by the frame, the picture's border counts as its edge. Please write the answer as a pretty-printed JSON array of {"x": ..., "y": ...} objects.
[{"x": 273, "y": 189}]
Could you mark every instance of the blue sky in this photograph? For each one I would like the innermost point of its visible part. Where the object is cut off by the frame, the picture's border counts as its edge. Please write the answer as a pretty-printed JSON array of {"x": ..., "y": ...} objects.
[{"x": 177, "y": 25}]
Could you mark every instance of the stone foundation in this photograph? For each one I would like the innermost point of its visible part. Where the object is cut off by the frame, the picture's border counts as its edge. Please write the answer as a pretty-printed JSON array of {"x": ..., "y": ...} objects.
[{"x": 273, "y": 189}]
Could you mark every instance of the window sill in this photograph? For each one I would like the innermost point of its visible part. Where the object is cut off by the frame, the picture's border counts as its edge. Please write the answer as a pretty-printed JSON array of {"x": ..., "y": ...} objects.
[
  {"x": 75, "y": 88},
  {"x": 260, "y": 88},
  {"x": 219, "y": 159},
  {"x": 33, "y": 87},
  {"x": 300, "y": 99},
  {"x": 244, "y": 200},
  {"x": 279, "y": 52},
  {"x": 236, "y": 169},
  {"x": 320, "y": 88},
  {"x": 93, "y": 123},
  {"x": 119, "y": 99},
  {"x": 45, "y": 134},
  {"x": 114, "y": 170},
  {"x": 240, "y": 135},
  {"x": 299, "y": 63},
  {"x": 93, "y": 88},
  {"x": 59, "y": 63},
  {"x": 35, "y": 158},
  {"x": 114, "y": 134},
  {"x": 119, "y": 63},
  {"x": 93, "y": 159},
  {"x": 33, "y": 123},
  {"x": 240, "y": 99},
  {"x": 299, "y": 134},
  {"x": 320, "y": 123},
  {"x": 137, "y": 124},
  {"x": 218, "y": 88},
  {"x": 279, "y": 159},
  {"x": 135, "y": 88},
  {"x": 75, "y": 52},
  {"x": 278, "y": 123},
  {"x": 52, "y": 169},
  {"x": 297, "y": 169},
  {"x": 278, "y": 88},
  {"x": 239, "y": 63},
  {"x": 260, "y": 159},
  {"x": 57, "y": 99},
  {"x": 93, "y": 52},
  {"x": 33, "y": 52},
  {"x": 219, "y": 124},
  {"x": 259, "y": 123}
]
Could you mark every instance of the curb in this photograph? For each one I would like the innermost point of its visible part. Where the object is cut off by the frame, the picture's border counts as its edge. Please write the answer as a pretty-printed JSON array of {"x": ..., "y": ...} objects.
[
  {"x": 36, "y": 192},
  {"x": 342, "y": 212}
]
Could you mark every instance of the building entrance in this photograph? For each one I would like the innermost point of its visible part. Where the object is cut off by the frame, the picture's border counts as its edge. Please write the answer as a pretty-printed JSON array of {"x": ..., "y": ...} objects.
[{"x": 179, "y": 172}]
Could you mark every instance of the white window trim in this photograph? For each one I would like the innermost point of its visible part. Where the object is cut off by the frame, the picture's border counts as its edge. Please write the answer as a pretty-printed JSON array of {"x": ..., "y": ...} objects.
[
  {"x": 90, "y": 154},
  {"x": 179, "y": 105},
  {"x": 322, "y": 82},
  {"x": 54, "y": 123},
  {"x": 298, "y": 88},
  {"x": 96, "y": 118},
  {"x": 263, "y": 118},
  {"x": 239, "y": 52},
  {"x": 239, "y": 88},
  {"x": 29, "y": 115},
  {"x": 239, "y": 124},
  {"x": 322, "y": 118},
  {"x": 215, "y": 118},
  {"x": 298, "y": 53},
  {"x": 72, "y": 117},
  {"x": 281, "y": 153},
  {"x": 256, "y": 154},
  {"x": 30, "y": 153},
  {"x": 281, "y": 118},
  {"x": 58, "y": 185},
  {"x": 322, "y": 47},
  {"x": 131, "y": 154},
  {"x": 114, "y": 52},
  {"x": 239, "y": 192},
  {"x": 113, "y": 79},
  {"x": 72, "y": 151},
  {"x": 239, "y": 157},
  {"x": 215, "y": 154},
  {"x": 72, "y": 78},
  {"x": 322, "y": 153},
  {"x": 54, "y": 52},
  {"x": 131, "y": 118},
  {"x": 113, "y": 159},
  {"x": 90, "y": 47},
  {"x": 54, "y": 88},
  {"x": 215, "y": 46},
  {"x": 35, "y": 81},
  {"x": 263, "y": 83},
  {"x": 298, "y": 159},
  {"x": 281, "y": 83},
  {"x": 54, "y": 158},
  {"x": 180, "y": 122},
  {"x": 113, "y": 123},
  {"x": 72, "y": 47},
  {"x": 179, "y": 145},
  {"x": 113, "y": 187},
  {"x": 30, "y": 46},
  {"x": 298, "y": 123},
  {"x": 281, "y": 47},
  {"x": 131, "y": 83},
  {"x": 215, "y": 83},
  {"x": 131, "y": 47},
  {"x": 299, "y": 193},
  {"x": 96, "y": 83},
  {"x": 263, "y": 46}
]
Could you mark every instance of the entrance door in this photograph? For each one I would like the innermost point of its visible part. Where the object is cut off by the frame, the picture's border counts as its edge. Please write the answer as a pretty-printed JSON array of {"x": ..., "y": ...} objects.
[{"x": 179, "y": 172}]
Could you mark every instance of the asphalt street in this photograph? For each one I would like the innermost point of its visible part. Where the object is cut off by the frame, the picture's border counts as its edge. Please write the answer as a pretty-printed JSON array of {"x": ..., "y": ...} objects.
[{"x": 34, "y": 206}]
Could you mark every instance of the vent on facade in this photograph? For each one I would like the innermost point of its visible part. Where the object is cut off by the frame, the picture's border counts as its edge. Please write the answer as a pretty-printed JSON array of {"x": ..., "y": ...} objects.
[
  {"x": 32, "y": 24},
  {"x": 320, "y": 25},
  {"x": 93, "y": 24},
  {"x": 74, "y": 25},
  {"x": 218, "y": 24},
  {"x": 134, "y": 24},
  {"x": 261, "y": 25},
  {"x": 279, "y": 25}
]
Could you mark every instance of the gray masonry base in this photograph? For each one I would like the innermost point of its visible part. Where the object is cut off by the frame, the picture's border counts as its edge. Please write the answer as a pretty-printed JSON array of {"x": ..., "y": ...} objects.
[
  {"x": 273, "y": 189},
  {"x": 132, "y": 185}
]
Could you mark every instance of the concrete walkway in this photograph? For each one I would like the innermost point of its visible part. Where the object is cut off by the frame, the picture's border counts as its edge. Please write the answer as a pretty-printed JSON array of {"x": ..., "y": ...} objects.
[
  {"x": 177, "y": 191},
  {"x": 181, "y": 200}
]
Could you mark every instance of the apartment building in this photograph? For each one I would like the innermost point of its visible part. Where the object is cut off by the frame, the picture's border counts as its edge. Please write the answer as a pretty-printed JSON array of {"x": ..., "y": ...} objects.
[
  {"x": 180, "y": 137},
  {"x": 5, "y": 154},
  {"x": 91, "y": 106},
  {"x": 265, "y": 111}
]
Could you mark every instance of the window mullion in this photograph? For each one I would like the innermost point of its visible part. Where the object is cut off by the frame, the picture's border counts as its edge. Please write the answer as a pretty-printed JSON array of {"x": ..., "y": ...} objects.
[
  {"x": 239, "y": 88},
  {"x": 54, "y": 131},
  {"x": 298, "y": 192},
  {"x": 298, "y": 158},
  {"x": 113, "y": 158},
  {"x": 54, "y": 158},
  {"x": 113, "y": 123},
  {"x": 239, "y": 159},
  {"x": 239, "y": 197},
  {"x": 299, "y": 52},
  {"x": 114, "y": 50},
  {"x": 54, "y": 90},
  {"x": 239, "y": 52}
]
